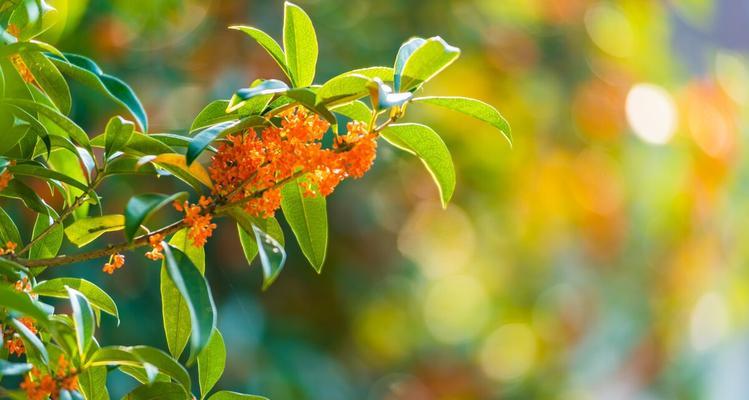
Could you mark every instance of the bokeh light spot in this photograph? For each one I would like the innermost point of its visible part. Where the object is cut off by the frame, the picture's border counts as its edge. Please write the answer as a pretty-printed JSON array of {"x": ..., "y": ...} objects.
[
  {"x": 610, "y": 30},
  {"x": 651, "y": 113},
  {"x": 456, "y": 308},
  {"x": 710, "y": 321},
  {"x": 509, "y": 352},
  {"x": 732, "y": 73}
]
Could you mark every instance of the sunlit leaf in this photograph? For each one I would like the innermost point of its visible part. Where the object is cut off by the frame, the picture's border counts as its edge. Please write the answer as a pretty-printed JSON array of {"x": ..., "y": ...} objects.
[
  {"x": 475, "y": 108},
  {"x": 86, "y": 230},
  {"x": 117, "y": 134},
  {"x": 211, "y": 363},
  {"x": 426, "y": 61},
  {"x": 300, "y": 45},
  {"x": 83, "y": 319},
  {"x": 308, "y": 218},
  {"x": 270, "y": 45}
]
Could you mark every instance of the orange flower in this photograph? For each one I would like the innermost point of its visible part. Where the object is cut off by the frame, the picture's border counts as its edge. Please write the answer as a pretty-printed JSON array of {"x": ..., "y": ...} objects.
[
  {"x": 39, "y": 386},
  {"x": 199, "y": 221},
  {"x": 155, "y": 241},
  {"x": 10, "y": 248},
  {"x": 13, "y": 341},
  {"x": 23, "y": 285},
  {"x": 116, "y": 261},
  {"x": 251, "y": 167}
]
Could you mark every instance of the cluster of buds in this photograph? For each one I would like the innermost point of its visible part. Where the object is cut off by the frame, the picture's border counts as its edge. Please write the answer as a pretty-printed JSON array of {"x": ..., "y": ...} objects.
[
  {"x": 116, "y": 261},
  {"x": 157, "y": 246},
  {"x": 198, "y": 219},
  {"x": 10, "y": 248},
  {"x": 251, "y": 167},
  {"x": 39, "y": 386}
]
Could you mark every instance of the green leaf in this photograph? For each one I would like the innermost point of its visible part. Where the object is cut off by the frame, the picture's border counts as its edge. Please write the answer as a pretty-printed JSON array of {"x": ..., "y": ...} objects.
[
  {"x": 92, "y": 382},
  {"x": 426, "y": 61},
  {"x": 98, "y": 298},
  {"x": 272, "y": 255},
  {"x": 21, "y": 303},
  {"x": 259, "y": 88},
  {"x": 194, "y": 289},
  {"x": 246, "y": 236},
  {"x": 308, "y": 219},
  {"x": 143, "y": 375},
  {"x": 270, "y": 45},
  {"x": 157, "y": 391},
  {"x": 83, "y": 320},
  {"x": 164, "y": 363},
  {"x": 404, "y": 53},
  {"x": 211, "y": 363},
  {"x": 423, "y": 142},
  {"x": 203, "y": 139},
  {"x": 227, "y": 395},
  {"x": 140, "y": 207},
  {"x": 76, "y": 133},
  {"x": 343, "y": 89},
  {"x": 11, "y": 368},
  {"x": 86, "y": 230},
  {"x": 18, "y": 190},
  {"x": 8, "y": 229},
  {"x": 300, "y": 45},
  {"x": 66, "y": 163},
  {"x": 307, "y": 98},
  {"x": 175, "y": 314},
  {"x": 475, "y": 108},
  {"x": 357, "y": 111},
  {"x": 89, "y": 74},
  {"x": 49, "y": 78},
  {"x": 12, "y": 269},
  {"x": 117, "y": 133},
  {"x": 32, "y": 343},
  {"x": 41, "y": 172},
  {"x": 212, "y": 114},
  {"x": 50, "y": 244}
]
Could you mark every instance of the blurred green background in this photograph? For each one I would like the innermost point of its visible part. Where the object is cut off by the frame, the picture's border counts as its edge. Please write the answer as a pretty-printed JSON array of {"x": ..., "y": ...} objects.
[{"x": 601, "y": 257}]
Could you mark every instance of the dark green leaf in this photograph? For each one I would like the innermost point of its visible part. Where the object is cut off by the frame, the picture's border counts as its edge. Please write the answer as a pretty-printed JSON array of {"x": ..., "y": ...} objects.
[
  {"x": 308, "y": 219},
  {"x": 247, "y": 236},
  {"x": 18, "y": 190},
  {"x": 117, "y": 134},
  {"x": 89, "y": 74},
  {"x": 204, "y": 138},
  {"x": 83, "y": 320},
  {"x": 164, "y": 363},
  {"x": 8, "y": 229},
  {"x": 157, "y": 391},
  {"x": 211, "y": 363},
  {"x": 21, "y": 303},
  {"x": 300, "y": 45},
  {"x": 41, "y": 172},
  {"x": 75, "y": 132},
  {"x": 140, "y": 207},
  {"x": 423, "y": 142},
  {"x": 194, "y": 289},
  {"x": 475, "y": 108}
]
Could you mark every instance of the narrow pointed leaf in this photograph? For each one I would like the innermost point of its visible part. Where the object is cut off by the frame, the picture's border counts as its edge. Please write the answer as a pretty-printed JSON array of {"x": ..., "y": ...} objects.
[
  {"x": 272, "y": 256},
  {"x": 474, "y": 108},
  {"x": 300, "y": 45},
  {"x": 98, "y": 298},
  {"x": 211, "y": 363},
  {"x": 404, "y": 53},
  {"x": 83, "y": 320},
  {"x": 270, "y": 45},
  {"x": 308, "y": 219}
]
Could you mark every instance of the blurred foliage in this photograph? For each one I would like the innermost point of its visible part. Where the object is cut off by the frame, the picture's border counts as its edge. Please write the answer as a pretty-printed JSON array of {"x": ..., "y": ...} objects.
[{"x": 601, "y": 256}]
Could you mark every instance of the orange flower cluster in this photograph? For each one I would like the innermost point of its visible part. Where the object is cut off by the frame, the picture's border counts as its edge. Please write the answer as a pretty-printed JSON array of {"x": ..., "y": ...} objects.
[
  {"x": 16, "y": 59},
  {"x": 39, "y": 386},
  {"x": 251, "y": 167},
  {"x": 12, "y": 340},
  {"x": 23, "y": 285},
  {"x": 10, "y": 248},
  {"x": 116, "y": 261},
  {"x": 155, "y": 241},
  {"x": 5, "y": 179},
  {"x": 198, "y": 219}
]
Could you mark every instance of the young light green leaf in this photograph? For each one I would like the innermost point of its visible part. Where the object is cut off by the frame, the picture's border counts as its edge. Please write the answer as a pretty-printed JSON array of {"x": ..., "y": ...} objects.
[
  {"x": 89, "y": 74},
  {"x": 117, "y": 134},
  {"x": 83, "y": 320},
  {"x": 86, "y": 230},
  {"x": 356, "y": 111},
  {"x": 57, "y": 287},
  {"x": 300, "y": 45},
  {"x": 211, "y": 363},
  {"x": 227, "y": 395},
  {"x": 308, "y": 218},
  {"x": 426, "y": 61},
  {"x": 404, "y": 53},
  {"x": 423, "y": 142},
  {"x": 140, "y": 207},
  {"x": 194, "y": 289},
  {"x": 175, "y": 314},
  {"x": 475, "y": 108},
  {"x": 272, "y": 256},
  {"x": 50, "y": 244},
  {"x": 49, "y": 78},
  {"x": 270, "y": 45},
  {"x": 343, "y": 89}
]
